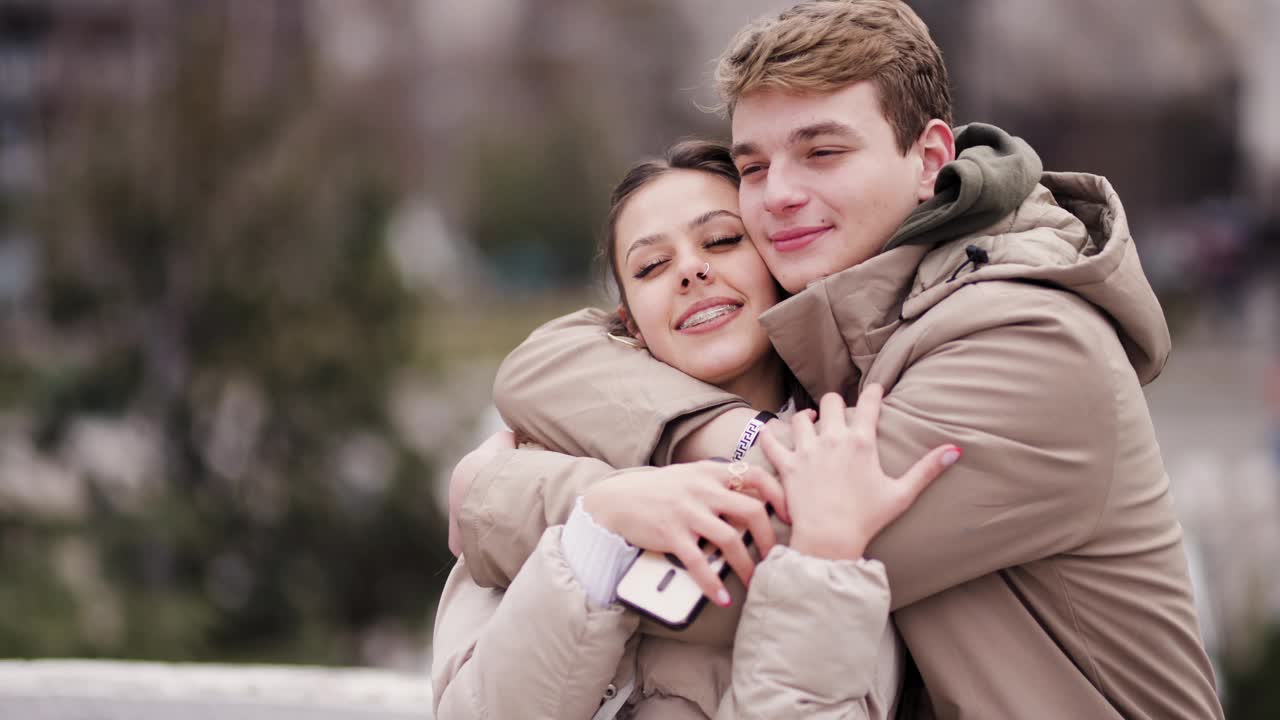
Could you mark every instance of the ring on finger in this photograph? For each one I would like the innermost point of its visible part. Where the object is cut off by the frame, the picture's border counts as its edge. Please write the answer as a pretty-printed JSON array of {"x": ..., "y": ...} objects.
[{"x": 737, "y": 474}]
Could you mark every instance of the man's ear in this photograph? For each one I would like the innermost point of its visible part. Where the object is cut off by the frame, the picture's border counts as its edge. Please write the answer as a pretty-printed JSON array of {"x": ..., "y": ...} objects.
[
  {"x": 631, "y": 326},
  {"x": 937, "y": 147}
]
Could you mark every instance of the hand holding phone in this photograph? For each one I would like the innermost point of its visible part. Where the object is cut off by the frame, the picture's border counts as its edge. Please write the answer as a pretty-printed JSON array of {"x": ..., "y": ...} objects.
[
  {"x": 659, "y": 586},
  {"x": 671, "y": 509}
]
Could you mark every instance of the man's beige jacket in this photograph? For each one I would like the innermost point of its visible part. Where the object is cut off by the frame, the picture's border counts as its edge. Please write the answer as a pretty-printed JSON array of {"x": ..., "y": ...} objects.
[{"x": 1042, "y": 576}]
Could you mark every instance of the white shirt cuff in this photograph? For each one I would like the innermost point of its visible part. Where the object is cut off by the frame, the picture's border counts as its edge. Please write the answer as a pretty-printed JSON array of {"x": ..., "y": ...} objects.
[{"x": 597, "y": 556}]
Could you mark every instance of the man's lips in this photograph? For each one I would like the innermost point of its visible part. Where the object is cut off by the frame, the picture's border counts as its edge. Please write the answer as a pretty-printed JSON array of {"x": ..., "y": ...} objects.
[{"x": 798, "y": 238}]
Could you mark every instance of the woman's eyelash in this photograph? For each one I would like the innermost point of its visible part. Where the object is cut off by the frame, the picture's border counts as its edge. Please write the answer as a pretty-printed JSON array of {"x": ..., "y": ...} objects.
[
  {"x": 731, "y": 240},
  {"x": 714, "y": 242},
  {"x": 647, "y": 269}
]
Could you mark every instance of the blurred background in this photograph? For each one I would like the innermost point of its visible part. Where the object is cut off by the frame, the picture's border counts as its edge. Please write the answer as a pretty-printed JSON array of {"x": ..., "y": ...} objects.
[{"x": 259, "y": 260}]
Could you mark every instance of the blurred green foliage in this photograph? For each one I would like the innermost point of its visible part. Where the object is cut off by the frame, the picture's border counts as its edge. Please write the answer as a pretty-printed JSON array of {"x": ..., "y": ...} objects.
[
  {"x": 1253, "y": 689},
  {"x": 214, "y": 267},
  {"x": 536, "y": 202}
]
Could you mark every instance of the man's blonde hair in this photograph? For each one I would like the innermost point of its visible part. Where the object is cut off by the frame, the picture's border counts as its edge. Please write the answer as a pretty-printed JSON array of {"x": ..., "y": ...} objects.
[{"x": 826, "y": 45}]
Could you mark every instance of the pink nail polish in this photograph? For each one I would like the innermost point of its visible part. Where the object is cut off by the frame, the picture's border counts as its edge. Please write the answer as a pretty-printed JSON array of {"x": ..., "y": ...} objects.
[
  {"x": 950, "y": 457},
  {"x": 723, "y": 598}
]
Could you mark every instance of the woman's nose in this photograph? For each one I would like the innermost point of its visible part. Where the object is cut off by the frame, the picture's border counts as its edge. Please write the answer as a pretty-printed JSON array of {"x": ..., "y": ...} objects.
[{"x": 694, "y": 268}]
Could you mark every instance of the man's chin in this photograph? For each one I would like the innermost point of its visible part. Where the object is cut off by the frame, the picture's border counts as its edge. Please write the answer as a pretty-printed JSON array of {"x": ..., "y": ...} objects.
[{"x": 799, "y": 276}]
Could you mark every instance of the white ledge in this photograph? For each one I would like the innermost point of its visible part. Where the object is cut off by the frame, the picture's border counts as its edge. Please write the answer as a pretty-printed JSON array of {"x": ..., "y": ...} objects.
[{"x": 114, "y": 690}]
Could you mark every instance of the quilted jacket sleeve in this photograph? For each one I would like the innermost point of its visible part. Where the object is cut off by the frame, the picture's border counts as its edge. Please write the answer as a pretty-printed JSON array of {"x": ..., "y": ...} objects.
[
  {"x": 573, "y": 389},
  {"x": 814, "y": 642},
  {"x": 512, "y": 502},
  {"x": 537, "y": 650}
]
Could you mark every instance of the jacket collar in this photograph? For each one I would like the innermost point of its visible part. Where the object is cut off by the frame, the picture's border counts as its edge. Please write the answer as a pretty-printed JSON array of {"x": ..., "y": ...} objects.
[{"x": 830, "y": 333}]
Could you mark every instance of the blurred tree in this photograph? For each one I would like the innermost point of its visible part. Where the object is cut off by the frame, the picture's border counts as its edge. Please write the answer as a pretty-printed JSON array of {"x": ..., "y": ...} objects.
[
  {"x": 1252, "y": 692},
  {"x": 216, "y": 259},
  {"x": 536, "y": 204},
  {"x": 590, "y": 95}
]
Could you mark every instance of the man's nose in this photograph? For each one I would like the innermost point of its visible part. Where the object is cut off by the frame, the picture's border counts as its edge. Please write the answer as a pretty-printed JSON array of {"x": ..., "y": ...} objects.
[{"x": 781, "y": 193}]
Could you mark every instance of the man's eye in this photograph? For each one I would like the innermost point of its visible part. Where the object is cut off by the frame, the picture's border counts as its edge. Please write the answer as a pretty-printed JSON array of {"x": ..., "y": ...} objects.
[
  {"x": 750, "y": 170},
  {"x": 647, "y": 268},
  {"x": 825, "y": 152},
  {"x": 723, "y": 241}
]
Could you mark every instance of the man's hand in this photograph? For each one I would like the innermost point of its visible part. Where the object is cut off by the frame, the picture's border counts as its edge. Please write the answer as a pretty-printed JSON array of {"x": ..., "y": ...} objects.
[{"x": 464, "y": 474}]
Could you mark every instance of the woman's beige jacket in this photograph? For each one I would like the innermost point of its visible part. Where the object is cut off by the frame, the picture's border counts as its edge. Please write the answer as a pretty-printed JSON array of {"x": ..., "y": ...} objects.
[{"x": 813, "y": 641}]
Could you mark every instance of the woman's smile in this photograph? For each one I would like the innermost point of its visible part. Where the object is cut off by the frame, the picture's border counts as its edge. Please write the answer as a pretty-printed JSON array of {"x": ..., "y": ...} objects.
[{"x": 707, "y": 315}]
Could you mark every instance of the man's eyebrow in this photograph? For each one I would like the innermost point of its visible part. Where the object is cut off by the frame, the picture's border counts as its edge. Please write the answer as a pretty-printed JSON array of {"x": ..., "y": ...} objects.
[
  {"x": 743, "y": 148},
  {"x": 707, "y": 217},
  {"x": 802, "y": 134},
  {"x": 818, "y": 129}
]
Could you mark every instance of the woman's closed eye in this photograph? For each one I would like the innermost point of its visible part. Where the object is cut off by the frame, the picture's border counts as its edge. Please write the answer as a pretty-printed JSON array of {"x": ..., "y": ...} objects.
[
  {"x": 723, "y": 242},
  {"x": 715, "y": 244},
  {"x": 648, "y": 268}
]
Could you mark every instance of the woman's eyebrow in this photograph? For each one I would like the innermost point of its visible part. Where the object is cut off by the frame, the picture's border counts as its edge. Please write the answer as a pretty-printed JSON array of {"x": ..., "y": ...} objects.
[
  {"x": 644, "y": 242},
  {"x": 699, "y": 221},
  {"x": 707, "y": 217}
]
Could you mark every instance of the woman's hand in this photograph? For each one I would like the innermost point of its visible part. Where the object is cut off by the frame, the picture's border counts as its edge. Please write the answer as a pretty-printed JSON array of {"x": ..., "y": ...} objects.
[
  {"x": 669, "y": 509},
  {"x": 464, "y": 474},
  {"x": 838, "y": 495}
]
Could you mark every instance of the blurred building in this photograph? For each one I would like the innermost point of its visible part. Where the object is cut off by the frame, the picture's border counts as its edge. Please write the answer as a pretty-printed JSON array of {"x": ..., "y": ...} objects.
[
  {"x": 62, "y": 58},
  {"x": 1260, "y": 55},
  {"x": 1149, "y": 89}
]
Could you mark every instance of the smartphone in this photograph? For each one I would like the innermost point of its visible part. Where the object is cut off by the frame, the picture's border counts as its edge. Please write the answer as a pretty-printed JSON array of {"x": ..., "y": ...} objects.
[{"x": 658, "y": 586}]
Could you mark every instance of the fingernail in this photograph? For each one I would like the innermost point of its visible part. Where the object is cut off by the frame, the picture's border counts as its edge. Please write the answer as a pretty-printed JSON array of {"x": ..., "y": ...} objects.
[
  {"x": 950, "y": 457},
  {"x": 723, "y": 598}
]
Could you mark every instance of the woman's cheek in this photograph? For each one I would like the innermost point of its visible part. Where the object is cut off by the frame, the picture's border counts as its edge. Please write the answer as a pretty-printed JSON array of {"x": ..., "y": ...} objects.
[{"x": 648, "y": 309}]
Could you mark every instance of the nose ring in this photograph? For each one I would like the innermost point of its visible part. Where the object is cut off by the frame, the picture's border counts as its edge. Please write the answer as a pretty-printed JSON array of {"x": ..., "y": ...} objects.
[{"x": 706, "y": 270}]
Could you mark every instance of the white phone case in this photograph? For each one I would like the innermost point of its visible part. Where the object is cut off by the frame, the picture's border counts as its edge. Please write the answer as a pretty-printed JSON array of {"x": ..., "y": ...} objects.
[{"x": 657, "y": 586}]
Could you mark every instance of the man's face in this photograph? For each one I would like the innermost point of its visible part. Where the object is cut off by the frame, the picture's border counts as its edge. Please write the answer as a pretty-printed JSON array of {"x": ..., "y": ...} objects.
[{"x": 823, "y": 183}]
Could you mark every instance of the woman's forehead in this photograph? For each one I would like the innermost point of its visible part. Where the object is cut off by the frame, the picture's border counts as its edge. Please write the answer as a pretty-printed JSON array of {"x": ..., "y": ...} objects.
[{"x": 672, "y": 202}]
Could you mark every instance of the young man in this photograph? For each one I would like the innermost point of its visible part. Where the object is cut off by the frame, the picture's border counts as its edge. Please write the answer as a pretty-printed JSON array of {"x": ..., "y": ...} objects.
[{"x": 1003, "y": 310}]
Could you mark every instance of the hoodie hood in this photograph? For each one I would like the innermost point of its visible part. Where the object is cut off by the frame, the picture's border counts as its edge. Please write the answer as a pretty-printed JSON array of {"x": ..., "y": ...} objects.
[
  {"x": 992, "y": 174},
  {"x": 1071, "y": 233}
]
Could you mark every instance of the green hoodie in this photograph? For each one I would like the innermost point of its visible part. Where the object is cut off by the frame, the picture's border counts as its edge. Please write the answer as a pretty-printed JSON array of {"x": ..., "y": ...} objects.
[{"x": 992, "y": 174}]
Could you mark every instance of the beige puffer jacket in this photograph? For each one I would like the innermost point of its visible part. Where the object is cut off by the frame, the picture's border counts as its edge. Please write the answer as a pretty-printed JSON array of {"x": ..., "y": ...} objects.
[
  {"x": 813, "y": 642},
  {"x": 1042, "y": 576}
]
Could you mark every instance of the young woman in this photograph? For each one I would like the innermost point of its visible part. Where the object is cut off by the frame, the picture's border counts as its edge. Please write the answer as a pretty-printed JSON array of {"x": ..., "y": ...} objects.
[{"x": 813, "y": 639}]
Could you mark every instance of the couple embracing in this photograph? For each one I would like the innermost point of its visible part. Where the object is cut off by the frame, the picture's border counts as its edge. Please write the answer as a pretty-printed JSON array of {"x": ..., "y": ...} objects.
[{"x": 986, "y": 533}]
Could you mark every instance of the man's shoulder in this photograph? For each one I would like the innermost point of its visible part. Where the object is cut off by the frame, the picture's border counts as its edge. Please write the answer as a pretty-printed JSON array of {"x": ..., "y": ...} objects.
[{"x": 1009, "y": 304}]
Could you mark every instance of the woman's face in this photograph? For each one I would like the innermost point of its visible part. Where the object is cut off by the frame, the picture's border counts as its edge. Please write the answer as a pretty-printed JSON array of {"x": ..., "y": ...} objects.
[{"x": 705, "y": 324}]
